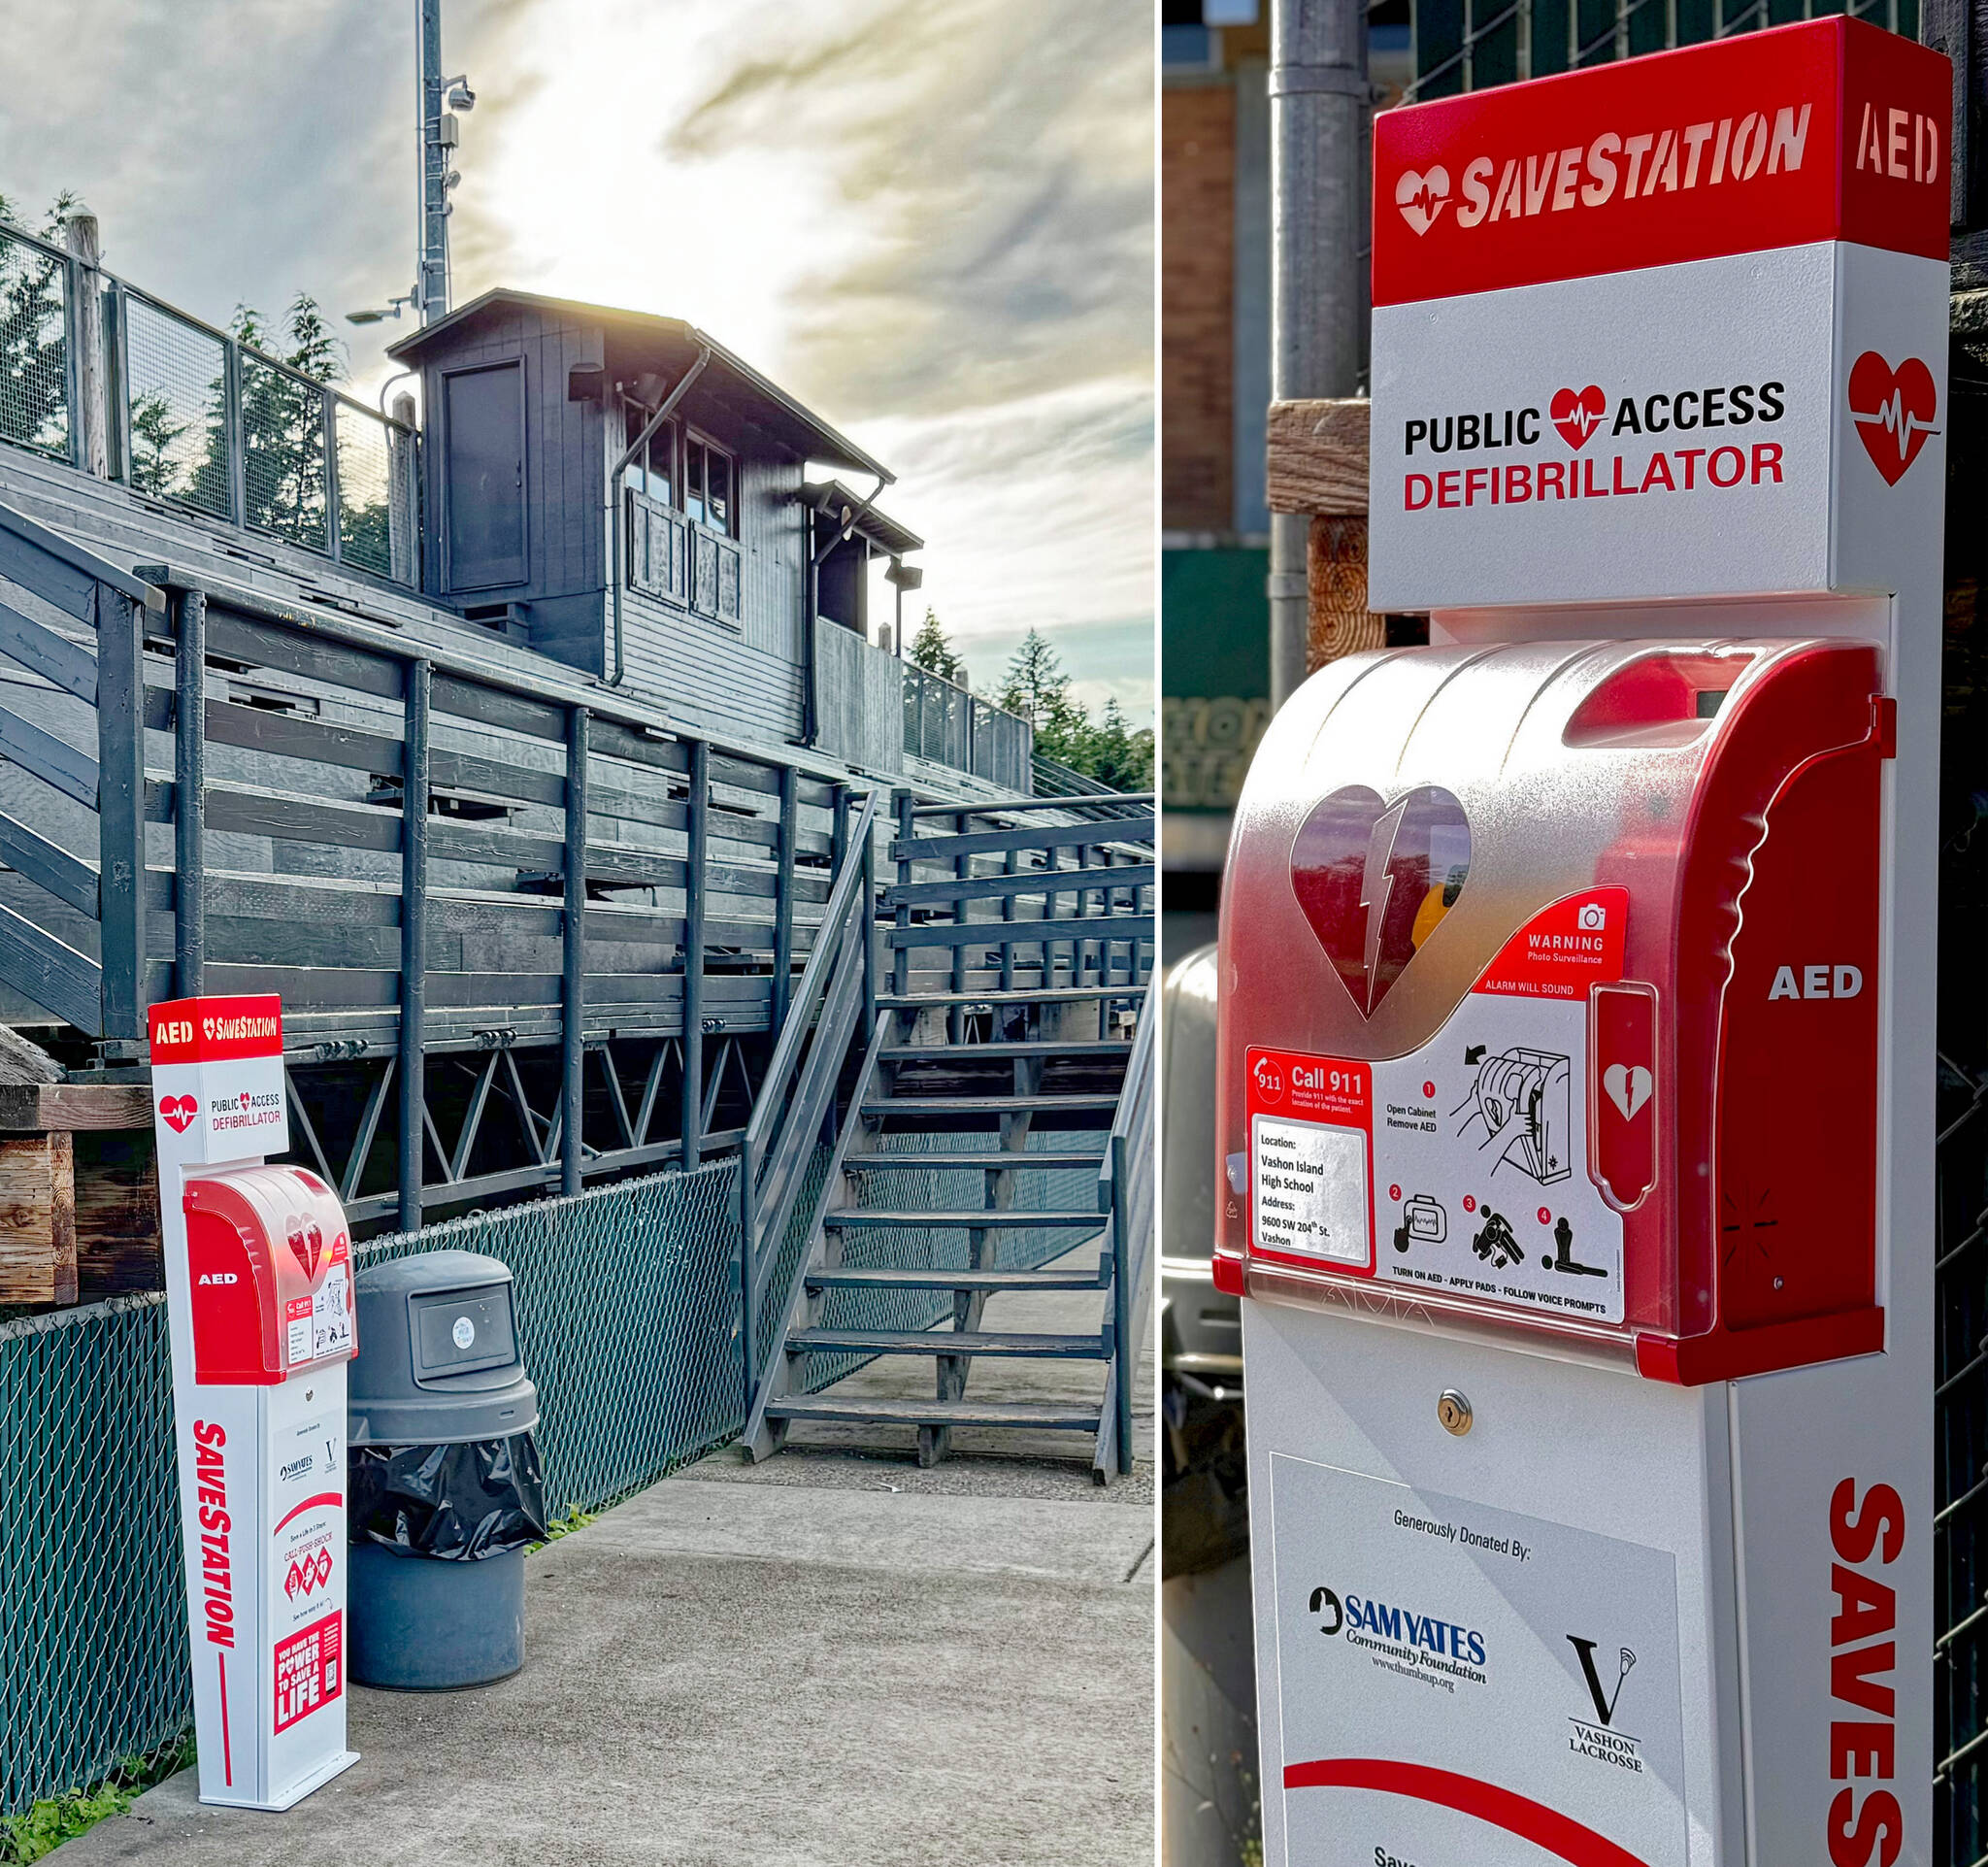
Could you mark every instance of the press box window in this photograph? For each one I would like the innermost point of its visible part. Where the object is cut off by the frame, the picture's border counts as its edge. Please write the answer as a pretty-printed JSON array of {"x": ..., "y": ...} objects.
[
  {"x": 653, "y": 471},
  {"x": 708, "y": 485}
]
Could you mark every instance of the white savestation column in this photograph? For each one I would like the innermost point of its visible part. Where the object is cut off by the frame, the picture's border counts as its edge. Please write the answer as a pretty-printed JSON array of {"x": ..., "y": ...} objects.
[
  {"x": 1576, "y": 1054},
  {"x": 260, "y": 1300}
]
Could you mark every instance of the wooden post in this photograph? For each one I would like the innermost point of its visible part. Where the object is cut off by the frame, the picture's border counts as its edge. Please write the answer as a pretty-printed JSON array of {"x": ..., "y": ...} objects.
[
  {"x": 418, "y": 682},
  {"x": 784, "y": 900},
  {"x": 80, "y": 235},
  {"x": 120, "y": 811},
  {"x": 961, "y": 867},
  {"x": 693, "y": 952},
  {"x": 572, "y": 987},
  {"x": 403, "y": 506},
  {"x": 1318, "y": 467},
  {"x": 231, "y": 419},
  {"x": 867, "y": 932},
  {"x": 37, "y": 1218},
  {"x": 907, "y": 828},
  {"x": 334, "y": 526},
  {"x": 189, "y": 789}
]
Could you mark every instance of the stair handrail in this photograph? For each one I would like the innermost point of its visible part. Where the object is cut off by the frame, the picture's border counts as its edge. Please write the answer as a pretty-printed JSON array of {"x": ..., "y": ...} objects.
[
  {"x": 837, "y": 991},
  {"x": 1125, "y": 1195}
]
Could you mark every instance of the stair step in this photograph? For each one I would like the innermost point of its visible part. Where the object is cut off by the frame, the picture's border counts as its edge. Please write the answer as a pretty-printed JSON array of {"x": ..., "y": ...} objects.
[
  {"x": 985, "y": 1104},
  {"x": 1104, "y": 1050},
  {"x": 993, "y": 1158},
  {"x": 843, "y": 1276},
  {"x": 1051, "y": 995},
  {"x": 1053, "y": 1415},
  {"x": 1007, "y": 1220},
  {"x": 946, "y": 1342}
]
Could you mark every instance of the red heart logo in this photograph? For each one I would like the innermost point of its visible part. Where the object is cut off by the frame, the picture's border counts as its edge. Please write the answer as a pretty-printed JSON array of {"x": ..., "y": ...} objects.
[
  {"x": 1892, "y": 409},
  {"x": 1374, "y": 878},
  {"x": 1578, "y": 413},
  {"x": 179, "y": 1111}
]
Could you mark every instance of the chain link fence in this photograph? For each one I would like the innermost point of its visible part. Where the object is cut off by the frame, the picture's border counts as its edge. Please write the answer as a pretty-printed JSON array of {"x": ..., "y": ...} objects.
[
  {"x": 1470, "y": 44},
  {"x": 367, "y": 524},
  {"x": 284, "y": 465},
  {"x": 34, "y": 348},
  {"x": 176, "y": 391}
]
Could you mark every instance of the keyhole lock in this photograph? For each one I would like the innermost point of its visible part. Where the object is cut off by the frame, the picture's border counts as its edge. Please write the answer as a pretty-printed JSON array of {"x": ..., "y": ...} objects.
[{"x": 1453, "y": 1411}]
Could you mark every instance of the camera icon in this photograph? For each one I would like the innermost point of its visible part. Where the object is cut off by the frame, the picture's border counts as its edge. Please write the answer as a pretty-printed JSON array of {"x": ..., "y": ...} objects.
[{"x": 1593, "y": 918}]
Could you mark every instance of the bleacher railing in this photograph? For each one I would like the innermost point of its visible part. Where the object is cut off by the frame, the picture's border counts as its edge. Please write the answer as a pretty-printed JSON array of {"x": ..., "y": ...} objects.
[{"x": 98, "y": 374}]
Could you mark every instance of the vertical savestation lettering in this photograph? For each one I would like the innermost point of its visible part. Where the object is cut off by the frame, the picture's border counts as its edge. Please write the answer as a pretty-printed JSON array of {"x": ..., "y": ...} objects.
[
  {"x": 216, "y": 1568},
  {"x": 1867, "y": 1531}
]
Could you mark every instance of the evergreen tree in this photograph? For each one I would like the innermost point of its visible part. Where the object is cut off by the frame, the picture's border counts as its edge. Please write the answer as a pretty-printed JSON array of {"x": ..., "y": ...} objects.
[
  {"x": 1037, "y": 686},
  {"x": 931, "y": 651}
]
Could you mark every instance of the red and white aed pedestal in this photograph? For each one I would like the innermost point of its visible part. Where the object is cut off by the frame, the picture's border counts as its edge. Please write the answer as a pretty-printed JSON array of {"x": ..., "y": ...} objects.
[
  {"x": 1577, "y": 1017},
  {"x": 260, "y": 1300}
]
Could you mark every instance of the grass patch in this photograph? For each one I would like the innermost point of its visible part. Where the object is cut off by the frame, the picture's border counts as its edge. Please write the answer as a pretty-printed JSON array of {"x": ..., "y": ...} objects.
[
  {"x": 575, "y": 1520},
  {"x": 54, "y": 1820}
]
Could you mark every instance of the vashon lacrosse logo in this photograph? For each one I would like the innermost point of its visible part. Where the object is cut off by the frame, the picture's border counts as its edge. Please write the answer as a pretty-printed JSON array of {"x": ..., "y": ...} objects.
[{"x": 1630, "y": 164}]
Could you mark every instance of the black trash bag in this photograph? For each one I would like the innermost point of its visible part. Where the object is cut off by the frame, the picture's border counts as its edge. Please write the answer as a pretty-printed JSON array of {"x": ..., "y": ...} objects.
[{"x": 454, "y": 1503}]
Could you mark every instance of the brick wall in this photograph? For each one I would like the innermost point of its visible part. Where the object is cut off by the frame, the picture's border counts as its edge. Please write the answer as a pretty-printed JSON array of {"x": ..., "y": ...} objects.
[{"x": 1197, "y": 213}]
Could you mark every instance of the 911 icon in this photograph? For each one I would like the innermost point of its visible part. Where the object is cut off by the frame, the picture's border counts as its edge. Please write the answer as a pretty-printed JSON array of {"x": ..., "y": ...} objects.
[{"x": 1270, "y": 1080}]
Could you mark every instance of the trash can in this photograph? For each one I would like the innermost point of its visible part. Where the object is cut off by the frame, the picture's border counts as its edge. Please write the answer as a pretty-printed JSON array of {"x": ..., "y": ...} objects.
[{"x": 446, "y": 1491}]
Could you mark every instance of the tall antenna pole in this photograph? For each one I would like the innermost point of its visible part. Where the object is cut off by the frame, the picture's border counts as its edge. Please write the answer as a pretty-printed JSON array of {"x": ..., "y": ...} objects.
[{"x": 431, "y": 277}]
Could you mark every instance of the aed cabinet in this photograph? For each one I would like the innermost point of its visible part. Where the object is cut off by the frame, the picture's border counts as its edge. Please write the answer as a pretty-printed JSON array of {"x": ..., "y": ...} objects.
[{"x": 1600, "y": 920}]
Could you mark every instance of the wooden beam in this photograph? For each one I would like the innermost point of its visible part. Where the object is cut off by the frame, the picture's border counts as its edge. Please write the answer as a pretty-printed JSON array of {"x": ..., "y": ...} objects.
[
  {"x": 27, "y": 1107},
  {"x": 1316, "y": 457},
  {"x": 117, "y": 1247},
  {"x": 37, "y": 1218}
]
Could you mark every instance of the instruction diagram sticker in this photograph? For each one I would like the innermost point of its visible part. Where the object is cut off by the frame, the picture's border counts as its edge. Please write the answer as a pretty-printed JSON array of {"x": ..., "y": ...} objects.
[
  {"x": 1457, "y": 1682},
  {"x": 1463, "y": 1167}
]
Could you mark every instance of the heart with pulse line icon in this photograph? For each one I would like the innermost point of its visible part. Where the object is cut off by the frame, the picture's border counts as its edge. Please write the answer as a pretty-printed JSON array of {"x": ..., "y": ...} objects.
[{"x": 1628, "y": 1087}]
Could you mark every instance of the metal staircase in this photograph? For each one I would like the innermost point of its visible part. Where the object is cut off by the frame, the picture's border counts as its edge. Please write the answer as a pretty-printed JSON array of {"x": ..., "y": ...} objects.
[{"x": 994, "y": 1146}]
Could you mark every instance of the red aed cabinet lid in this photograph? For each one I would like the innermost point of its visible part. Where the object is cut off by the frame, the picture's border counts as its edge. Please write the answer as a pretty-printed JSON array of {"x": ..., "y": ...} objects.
[
  {"x": 1833, "y": 129},
  {"x": 269, "y": 1265},
  {"x": 1549, "y": 991}
]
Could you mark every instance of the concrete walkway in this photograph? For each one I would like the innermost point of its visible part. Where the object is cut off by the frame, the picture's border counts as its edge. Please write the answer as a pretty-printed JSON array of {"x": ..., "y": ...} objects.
[{"x": 831, "y": 1660}]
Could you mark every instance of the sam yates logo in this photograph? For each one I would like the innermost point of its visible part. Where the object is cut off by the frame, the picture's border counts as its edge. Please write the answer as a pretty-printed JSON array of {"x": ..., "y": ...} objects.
[
  {"x": 1894, "y": 410},
  {"x": 1420, "y": 1645}
]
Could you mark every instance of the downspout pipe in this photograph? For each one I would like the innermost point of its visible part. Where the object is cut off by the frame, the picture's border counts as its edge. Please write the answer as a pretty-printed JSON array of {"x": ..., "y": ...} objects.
[
  {"x": 811, "y": 706},
  {"x": 628, "y": 453},
  {"x": 1320, "y": 103}
]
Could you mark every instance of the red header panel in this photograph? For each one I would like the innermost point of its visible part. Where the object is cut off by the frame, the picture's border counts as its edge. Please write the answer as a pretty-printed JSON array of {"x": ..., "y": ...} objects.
[
  {"x": 1829, "y": 130},
  {"x": 217, "y": 1030}
]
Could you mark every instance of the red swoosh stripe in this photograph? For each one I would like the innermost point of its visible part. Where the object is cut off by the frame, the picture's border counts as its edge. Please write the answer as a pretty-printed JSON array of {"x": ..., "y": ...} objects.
[
  {"x": 1517, "y": 1814},
  {"x": 336, "y": 1499}
]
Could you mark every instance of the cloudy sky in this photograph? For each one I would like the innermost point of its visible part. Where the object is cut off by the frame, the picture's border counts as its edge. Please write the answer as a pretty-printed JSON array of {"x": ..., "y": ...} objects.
[{"x": 931, "y": 219}]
